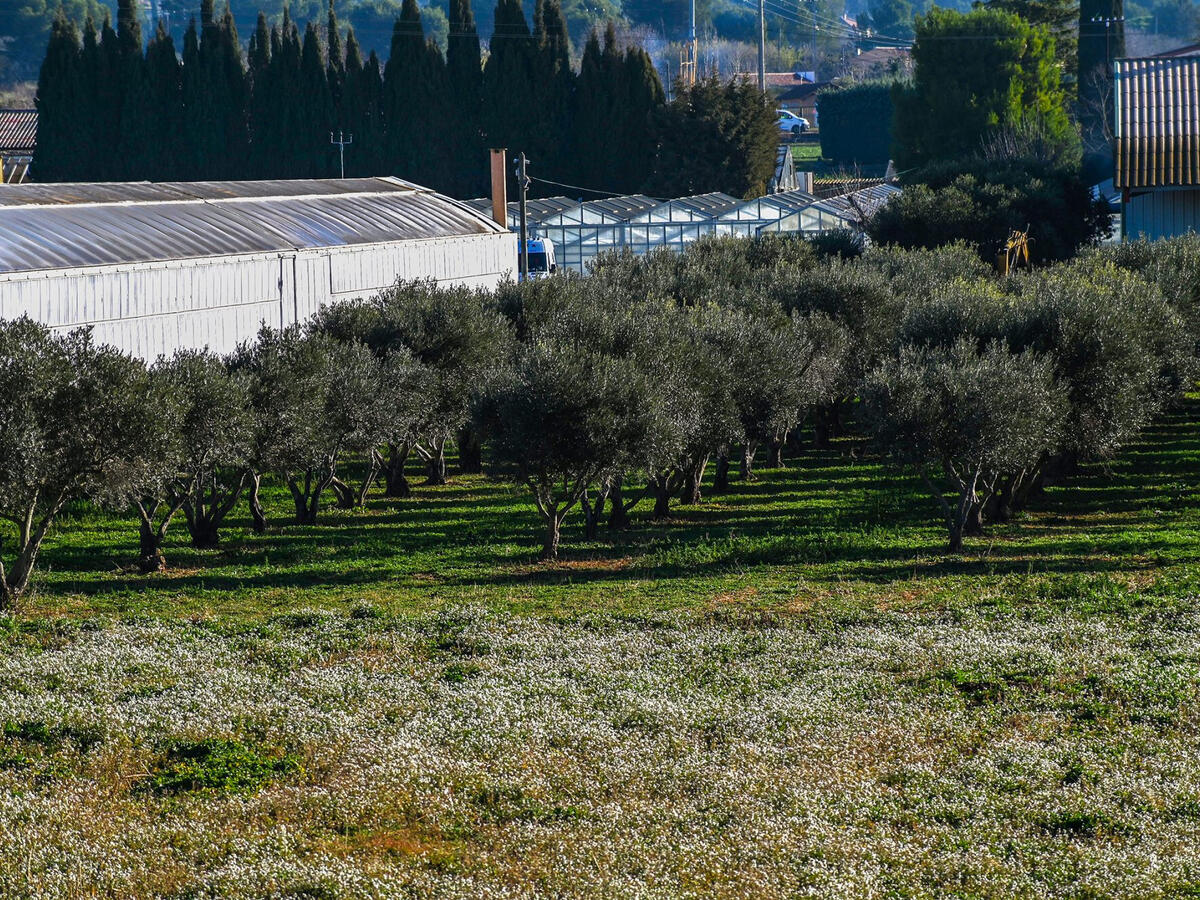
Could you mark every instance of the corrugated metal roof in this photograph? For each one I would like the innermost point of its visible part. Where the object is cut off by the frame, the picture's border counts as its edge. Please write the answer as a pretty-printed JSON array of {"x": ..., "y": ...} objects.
[
  {"x": 536, "y": 210},
  {"x": 710, "y": 204},
  {"x": 624, "y": 208},
  {"x": 18, "y": 130},
  {"x": 1157, "y": 122},
  {"x": 68, "y": 226},
  {"x": 861, "y": 203}
]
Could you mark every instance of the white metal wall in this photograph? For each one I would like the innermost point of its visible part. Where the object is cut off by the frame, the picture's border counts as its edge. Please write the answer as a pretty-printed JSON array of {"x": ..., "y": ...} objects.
[
  {"x": 152, "y": 308},
  {"x": 1162, "y": 213}
]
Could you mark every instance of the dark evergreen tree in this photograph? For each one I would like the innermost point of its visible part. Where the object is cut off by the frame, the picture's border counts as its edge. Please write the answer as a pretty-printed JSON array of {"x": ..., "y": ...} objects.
[
  {"x": 192, "y": 91},
  {"x": 132, "y": 126},
  {"x": 364, "y": 92},
  {"x": 92, "y": 138},
  {"x": 415, "y": 104},
  {"x": 595, "y": 105},
  {"x": 262, "y": 115},
  {"x": 643, "y": 99},
  {"x": 336, "y": 69},
  {"x": 510, "y": 116},
  {"x": 234, "y": 100},
  {"x": 316, "y": 122},
  {"x": 618, "y": 99},
  {"x": 106, "y": 112},
  {"x": 550, "y": 144},
  {"x": 161, "y": 118},
  {"x": 716, "y": 136},
  {"x": 464, "y": 71},
  {"x": 279, "y": 107},
  {"x": 58, "y": 102}
]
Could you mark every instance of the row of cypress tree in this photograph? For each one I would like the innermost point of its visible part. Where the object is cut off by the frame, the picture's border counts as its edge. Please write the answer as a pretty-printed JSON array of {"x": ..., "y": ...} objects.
[{"x": 112, "y": 107}]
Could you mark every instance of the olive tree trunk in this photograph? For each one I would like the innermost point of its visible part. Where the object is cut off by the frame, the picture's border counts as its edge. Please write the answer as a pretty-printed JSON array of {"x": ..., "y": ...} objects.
[
  {"x": 206, "y": 505},
  {"x": 395, "y": 484},
  {"x": 470, "y": 451},
  {"x": 435, "y": 460},
  {"x": 257, "y": 517},
  {"x": 721, "y": 478},
  {"x": 692, "y": 480},
  {"x": 154, "y": 518},
  {"x": 31, "y": 531}
]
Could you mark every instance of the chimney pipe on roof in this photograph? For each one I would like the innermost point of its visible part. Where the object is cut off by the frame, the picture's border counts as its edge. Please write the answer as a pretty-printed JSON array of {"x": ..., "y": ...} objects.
[{"x": 499, "y": 187}]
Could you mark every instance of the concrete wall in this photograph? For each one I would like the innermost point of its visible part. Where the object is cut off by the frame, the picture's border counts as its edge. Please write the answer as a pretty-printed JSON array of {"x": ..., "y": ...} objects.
[{"x": 149, "y": 309}]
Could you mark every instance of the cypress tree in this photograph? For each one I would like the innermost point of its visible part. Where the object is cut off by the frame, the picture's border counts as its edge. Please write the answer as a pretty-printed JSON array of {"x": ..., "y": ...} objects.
[
  {"x": 191, "y": 163},
  {"x": 131, "y": 127},
  {"x": 162, "y": 109},
  {"x": 643, "y": 97},
  {"x": 235, "y": 97},
  {"x": 509, "y": 114},
  {"x": 553, "y": 90},
  {"x": 92, "y": 137},
  {"x": 364, "y": 89},
  {"x": 591, "y": 114},
  {"x": 284, "y": 106},
  {"x": 336, "y": 69},
  {"x": 599, "y": 101},
  {"x": 106, "y": 118},
  {"x": 317, "y": 106},
  {"x": 464, "y": 70},
  {"x": 261, "y": 114},
  {"x": 415, "y": 104},
  {"x": 59, "y": 104}
]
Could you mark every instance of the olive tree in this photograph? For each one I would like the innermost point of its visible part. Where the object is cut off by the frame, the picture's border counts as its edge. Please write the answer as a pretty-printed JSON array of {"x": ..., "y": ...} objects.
[
  {"x": 578, "y": 409},
  {"x": 199, "y": 466},
  {"x": 959, "y": 416},
  {"x": 313, "y": 397},
  {"x": 460, "y": 338},
  {"x": 778, "y": 368},
  {"x": 75, "y": 420}
]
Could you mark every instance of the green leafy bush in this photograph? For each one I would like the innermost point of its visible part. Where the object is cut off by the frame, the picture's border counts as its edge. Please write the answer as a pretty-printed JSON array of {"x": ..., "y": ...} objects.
[{"x": 216, "y": 766}]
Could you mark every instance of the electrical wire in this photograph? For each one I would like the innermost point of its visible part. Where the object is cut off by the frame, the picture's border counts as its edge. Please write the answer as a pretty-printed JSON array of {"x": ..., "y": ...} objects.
[{"x": 576, "y": 187}]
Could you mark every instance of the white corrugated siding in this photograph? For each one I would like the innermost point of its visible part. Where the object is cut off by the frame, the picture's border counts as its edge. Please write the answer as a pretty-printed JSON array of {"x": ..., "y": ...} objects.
[{"x": 152, "y": 308}]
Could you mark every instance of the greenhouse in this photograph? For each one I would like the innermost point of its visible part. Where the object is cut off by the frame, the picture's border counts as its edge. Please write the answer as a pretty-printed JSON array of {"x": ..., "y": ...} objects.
[
  {"x": 846, "y": 211},
  {"x": 592, "y": 227},
  {"x": 750, "y": 217},
  {"x": 676, "y": 223}
]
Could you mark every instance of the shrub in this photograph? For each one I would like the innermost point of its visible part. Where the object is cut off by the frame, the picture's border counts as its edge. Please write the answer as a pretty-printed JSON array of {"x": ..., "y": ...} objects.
[{"x": 215, "y": 766}]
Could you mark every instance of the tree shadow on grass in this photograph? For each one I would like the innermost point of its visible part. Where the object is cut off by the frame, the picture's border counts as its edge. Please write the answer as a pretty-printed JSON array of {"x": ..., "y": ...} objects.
[{"x": 834, "y": 517}]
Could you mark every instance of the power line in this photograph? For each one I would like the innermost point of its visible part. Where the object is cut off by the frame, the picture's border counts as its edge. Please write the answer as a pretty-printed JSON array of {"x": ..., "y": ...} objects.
[{"x": 576, "y": 187}]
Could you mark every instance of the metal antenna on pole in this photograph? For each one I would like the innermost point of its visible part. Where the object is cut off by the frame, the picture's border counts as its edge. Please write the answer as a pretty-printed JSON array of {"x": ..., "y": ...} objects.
[
  {"x": 341, "y": 143},
  {"x": 762, "y": 45},
  {"x": 523, "y": 187}
]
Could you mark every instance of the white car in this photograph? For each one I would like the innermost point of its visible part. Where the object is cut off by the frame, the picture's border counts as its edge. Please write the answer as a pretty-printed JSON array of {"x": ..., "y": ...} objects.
[{"x": 790, "y": 123}]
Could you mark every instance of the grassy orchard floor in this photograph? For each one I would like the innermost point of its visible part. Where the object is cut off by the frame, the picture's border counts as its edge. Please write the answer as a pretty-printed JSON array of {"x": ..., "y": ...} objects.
[
  {"x": 785, "y": 691},
  {"x": 831, "y": 532}
]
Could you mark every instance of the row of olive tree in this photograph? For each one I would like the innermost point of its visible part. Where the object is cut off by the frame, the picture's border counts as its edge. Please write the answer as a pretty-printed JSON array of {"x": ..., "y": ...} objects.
[{"x": 602, "y": 391}]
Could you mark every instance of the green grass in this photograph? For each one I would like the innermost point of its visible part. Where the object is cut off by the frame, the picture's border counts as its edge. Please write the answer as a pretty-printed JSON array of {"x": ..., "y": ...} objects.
[
  {"x": 787, "y": 690},
  {"x": 835, "y": 531},
  {"x": 807, "y": 156}
]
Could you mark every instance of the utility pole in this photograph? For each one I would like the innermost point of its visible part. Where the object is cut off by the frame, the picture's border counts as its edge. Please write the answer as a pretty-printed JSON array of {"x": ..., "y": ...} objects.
[
  {"x": 762, "y": 45},
  {"x": 688, "y": 56},
  {"x": 523, "y": 187},
  {"x": 341, "y": 143}
]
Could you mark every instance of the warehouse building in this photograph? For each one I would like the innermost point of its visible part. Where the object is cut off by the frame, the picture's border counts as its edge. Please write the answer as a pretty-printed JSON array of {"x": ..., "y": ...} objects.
[{"x": 155, "y": 267}]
